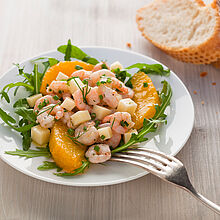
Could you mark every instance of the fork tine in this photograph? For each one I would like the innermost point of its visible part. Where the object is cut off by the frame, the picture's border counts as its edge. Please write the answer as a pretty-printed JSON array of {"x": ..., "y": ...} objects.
[
  {"x": 149, "y": 155},
  {"x": 156, "y": 165},
  {"x": 148, "y": 168},
  {"x": 169, "y": 157}
]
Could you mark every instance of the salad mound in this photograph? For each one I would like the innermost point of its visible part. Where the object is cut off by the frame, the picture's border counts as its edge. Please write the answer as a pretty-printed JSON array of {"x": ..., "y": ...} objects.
[{"x": 81, "y": 111}]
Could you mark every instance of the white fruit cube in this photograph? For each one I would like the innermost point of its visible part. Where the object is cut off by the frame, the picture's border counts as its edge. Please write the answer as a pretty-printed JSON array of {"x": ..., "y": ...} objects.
[
  {"x": 127, "y": 136},
  {"x": 75, "y": 84},
  {"x": 80, "y": 117},
  {"x": 127, "y": 105},
  {"x": 101, "y": 112},
  {"x": 32, "y": 99},
  {"x": 68, "y": 104},
  {"x": 105, "y": 133},
  {"x": 116, "y": 65},
  {"x": 40, "y": 135},
  {"x": 61, "y": 76}
]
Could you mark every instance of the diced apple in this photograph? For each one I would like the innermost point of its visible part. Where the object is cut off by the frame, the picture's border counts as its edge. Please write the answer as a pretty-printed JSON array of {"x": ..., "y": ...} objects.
[
  {"x": 32, "y": 99},
  {"x": 100, "y": 111},
  {"x": 105, "y": 133},
  {"x": 80, "y": 117},
  {"x": 40, "y": 135},
  {"x": 127, "y": 136},
  {"x": 74, "y": 84},
  {"x": 116, "y": 65},
  {"x": 61, "y": 76},
  {"x": 127, "y": 105},
  {"x": 68, "y": 104}
]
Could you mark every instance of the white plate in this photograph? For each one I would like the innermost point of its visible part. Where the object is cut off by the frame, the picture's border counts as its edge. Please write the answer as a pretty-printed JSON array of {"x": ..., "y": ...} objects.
[{"x": 169, "y": 139}]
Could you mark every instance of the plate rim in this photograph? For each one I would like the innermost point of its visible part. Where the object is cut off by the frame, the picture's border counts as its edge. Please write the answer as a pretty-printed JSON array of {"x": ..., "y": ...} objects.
[{"x": 114, "y": 182}]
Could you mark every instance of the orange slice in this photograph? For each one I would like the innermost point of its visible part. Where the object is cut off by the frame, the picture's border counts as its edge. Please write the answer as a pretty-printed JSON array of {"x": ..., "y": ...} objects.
[
  {"x": 145, "y": 95},
  {"x": 66, "y": 154},
  {"x": 66, "y": 67}
]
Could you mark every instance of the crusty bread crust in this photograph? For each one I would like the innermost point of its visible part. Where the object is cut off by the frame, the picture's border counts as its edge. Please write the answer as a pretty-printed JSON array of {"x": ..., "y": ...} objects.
[{"x": 205, "y": 53}]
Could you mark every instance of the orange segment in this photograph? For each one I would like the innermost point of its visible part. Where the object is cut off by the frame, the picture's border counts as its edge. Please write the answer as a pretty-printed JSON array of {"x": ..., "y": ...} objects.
[
  {"x": 66, "y": 67},
  {"x": 66, "y": 154},
  {"x": 145, "y": 97}
]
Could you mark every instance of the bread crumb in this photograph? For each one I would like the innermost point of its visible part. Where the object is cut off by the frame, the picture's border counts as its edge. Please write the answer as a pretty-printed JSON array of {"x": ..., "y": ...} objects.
[
  {"x": 202, "y": 102},
  {"x": 214, "y": 83},
  {"x": 195, "y": 92},
  {"x": 128, "y": 45},
  {"x": 203, "y": 74}
]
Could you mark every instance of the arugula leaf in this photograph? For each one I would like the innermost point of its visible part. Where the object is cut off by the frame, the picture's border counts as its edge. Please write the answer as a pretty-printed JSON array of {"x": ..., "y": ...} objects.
[
  {"x": 11, "y": 85},
  {"x": 21, "y": 103},
  {"x": 76, "y": 53},
  {"x": 11, "y": 122},
  {"x": 40, "y": 152},
  {"x": 121, "y": 74},
  {"x": 37, "y": 79},
  {"x": 68, "y": 51},
  {"x": 77, "y": 171},
  {"x": 154, "y": 69},
  {"x": 26, "y": 140},
  {"x": 5, "y": 96},
  {"x": 47, "y": 165},
  {"x": 53, "y": 61},
  {"x": 129, "y": 83},
  {"x": 151, "y": 124},
  {"x": 26, "y": 113}
]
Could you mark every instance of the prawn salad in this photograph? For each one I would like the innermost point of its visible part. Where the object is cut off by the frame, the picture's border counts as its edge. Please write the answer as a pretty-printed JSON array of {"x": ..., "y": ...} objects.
[{"x": 81, "y": 111}]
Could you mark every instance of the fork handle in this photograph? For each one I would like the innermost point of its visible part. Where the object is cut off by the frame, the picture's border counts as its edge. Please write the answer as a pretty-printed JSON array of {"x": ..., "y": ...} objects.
[{"x": 208, "y": 203}]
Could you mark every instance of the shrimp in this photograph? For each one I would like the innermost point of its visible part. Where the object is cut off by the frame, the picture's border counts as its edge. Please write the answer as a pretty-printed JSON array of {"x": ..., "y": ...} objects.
[
  {"x": 110, "y": 96},
  {"x": 82, "y": 74},
  {"x": 46, "y": 117},
  {"x": 58, "y": 87},
  {"x": 129, "y": 94},
  {"x": 67, "y": 120},
  {"x": 103, "y": 76},
  {"x": 86, "y": 133},
  {"x": 120, "y": 121},
  {"x": 114, "y": 140},
  {"x": 80, "y": 104},
  {"x": 99, "y": 66},
  {"x": 65, "y": 95},
  {"x": 96, "y": 76},
  {"x": 45, "y": 120},
  {"x": 93, "y": 96},
  {"x": 98, "y": 153},
  {"x": 44, "y": 101}
]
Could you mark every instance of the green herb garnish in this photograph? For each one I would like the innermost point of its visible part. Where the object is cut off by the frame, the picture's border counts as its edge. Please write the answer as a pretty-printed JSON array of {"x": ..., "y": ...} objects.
[
  {"x": 124, "y": 123},
  {"x": 102, "y": 137},
  {"x": 56, "y": 97},
  {"x": 93, "y": 116},
  {"x": 97, "y": 148},
  {"x": 78, "y": 67},
  {"x": 70, "y": 131},
  {"x": 145, "y": 84},
  {"x": 101, "y": 97}
]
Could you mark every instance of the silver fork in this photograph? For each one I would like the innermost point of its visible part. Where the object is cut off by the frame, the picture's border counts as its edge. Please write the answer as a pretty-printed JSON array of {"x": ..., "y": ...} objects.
[{"x": 166, "y": 167}]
